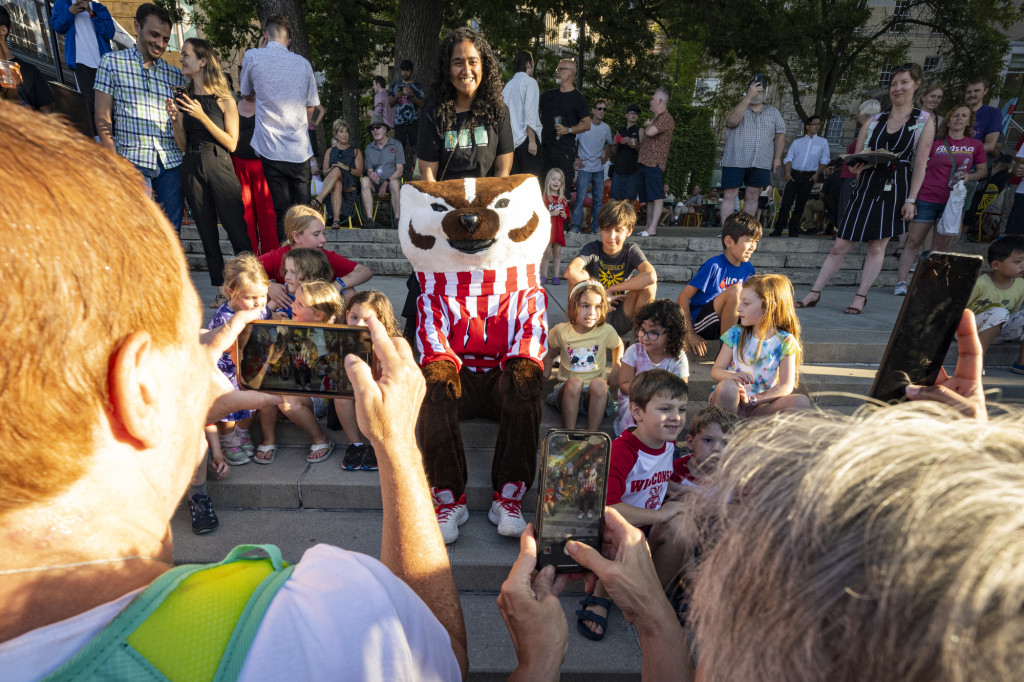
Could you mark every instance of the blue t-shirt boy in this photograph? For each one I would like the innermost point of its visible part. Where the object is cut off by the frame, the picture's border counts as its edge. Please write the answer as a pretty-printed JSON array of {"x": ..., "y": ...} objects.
[{"x": 713, "y": 278}]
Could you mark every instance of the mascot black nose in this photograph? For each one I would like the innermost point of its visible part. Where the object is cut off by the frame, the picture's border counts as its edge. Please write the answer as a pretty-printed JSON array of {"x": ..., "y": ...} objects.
[{"x": 470, "y": 221}]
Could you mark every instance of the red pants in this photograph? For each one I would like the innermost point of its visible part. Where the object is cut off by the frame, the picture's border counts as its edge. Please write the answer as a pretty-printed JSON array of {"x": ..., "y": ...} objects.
[{"x": 260, "y": 219}]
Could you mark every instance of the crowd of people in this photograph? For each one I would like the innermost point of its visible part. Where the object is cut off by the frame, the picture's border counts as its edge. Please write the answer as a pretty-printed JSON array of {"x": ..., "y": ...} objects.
[{"x": 846, "y": 530}]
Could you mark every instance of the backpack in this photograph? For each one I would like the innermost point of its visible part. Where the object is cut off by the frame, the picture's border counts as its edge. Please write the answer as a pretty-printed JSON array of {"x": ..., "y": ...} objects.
[{"x": 194, "y": 622}]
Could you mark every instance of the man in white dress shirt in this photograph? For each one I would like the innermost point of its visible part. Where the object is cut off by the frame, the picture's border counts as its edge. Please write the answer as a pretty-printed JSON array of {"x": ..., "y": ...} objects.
[
  {"x": 282, "y": 85},
  {"x": 805, "y": 163},
  {"x": 522, "y": 96}
]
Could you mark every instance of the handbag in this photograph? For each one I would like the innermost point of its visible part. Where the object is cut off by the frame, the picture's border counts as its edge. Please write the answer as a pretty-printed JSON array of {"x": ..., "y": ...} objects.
[{"x": 949, "y": 222}]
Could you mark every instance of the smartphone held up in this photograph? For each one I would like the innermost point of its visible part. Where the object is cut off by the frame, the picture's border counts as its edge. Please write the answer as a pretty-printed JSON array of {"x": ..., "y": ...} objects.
[
  {"x": 926, "y": 325},
  {"x": 278, "y": 356},
  {"x": 573, "y": 485}
]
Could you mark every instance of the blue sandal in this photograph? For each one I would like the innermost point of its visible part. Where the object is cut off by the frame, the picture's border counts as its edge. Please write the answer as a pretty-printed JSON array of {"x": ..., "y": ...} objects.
[{"x": 583, "y": 615}]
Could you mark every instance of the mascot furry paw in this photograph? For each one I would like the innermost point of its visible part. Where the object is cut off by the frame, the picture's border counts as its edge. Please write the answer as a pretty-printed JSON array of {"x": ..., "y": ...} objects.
[{"x": 481, "y": 331}]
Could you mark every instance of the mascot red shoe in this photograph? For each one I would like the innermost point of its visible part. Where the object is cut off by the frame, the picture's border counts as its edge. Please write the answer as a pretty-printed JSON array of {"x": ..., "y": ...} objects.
[{"x": 481, "y": 331}]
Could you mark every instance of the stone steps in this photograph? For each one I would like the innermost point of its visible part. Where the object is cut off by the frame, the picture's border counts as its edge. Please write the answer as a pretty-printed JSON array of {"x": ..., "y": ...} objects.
[{"x": 676, "y": 258}]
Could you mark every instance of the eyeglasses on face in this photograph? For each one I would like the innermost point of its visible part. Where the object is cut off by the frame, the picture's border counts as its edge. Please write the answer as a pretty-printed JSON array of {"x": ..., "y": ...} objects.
[
  {"x": 376, "y": 127},
  {"x": 651, "y": 335},
  {"x": 564, "y": 68},
  {"x": 600, "y": 108}
]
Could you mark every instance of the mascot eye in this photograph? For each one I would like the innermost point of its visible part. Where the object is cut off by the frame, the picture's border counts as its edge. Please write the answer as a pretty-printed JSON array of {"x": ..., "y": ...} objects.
[
  {"x": 440, "y": 208},
  {"x": 502, "y": 203}
]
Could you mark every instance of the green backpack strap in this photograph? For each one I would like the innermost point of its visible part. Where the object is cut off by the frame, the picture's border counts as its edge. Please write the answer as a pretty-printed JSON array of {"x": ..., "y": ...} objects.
[{"x": 195, "y": 622}]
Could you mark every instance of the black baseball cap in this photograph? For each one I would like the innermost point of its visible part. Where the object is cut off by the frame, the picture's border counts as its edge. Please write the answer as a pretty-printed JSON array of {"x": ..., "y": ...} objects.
[
  {"x": 406, "y": 65},
  {"x": 633, "y": 109}
]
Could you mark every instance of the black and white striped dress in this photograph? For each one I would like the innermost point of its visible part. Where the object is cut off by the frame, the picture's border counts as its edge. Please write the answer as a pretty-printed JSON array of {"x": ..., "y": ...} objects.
[{"x": 874, "y": 212}]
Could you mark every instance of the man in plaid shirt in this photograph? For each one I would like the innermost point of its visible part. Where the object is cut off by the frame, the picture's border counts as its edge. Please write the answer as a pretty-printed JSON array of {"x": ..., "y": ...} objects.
[{"x": 132, "y": 88}]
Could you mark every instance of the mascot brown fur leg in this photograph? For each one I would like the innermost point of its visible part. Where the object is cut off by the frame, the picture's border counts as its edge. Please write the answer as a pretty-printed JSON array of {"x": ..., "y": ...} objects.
[
  {"x": 518, "y": 398},
  {"x": 437, "y": 430}
]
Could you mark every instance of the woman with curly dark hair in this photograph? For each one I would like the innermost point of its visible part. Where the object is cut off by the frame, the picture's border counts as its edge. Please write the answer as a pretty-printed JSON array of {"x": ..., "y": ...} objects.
[
  {"x": 465, "y": 132},
  {"x": 661, "y": 344}
]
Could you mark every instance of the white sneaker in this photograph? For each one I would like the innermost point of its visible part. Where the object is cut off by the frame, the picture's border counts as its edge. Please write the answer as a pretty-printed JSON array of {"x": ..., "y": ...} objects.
[
  {"x": 901, "y": 289},
  {"x": 507, "y": 509},
  {"x": 450, "y": 514}
]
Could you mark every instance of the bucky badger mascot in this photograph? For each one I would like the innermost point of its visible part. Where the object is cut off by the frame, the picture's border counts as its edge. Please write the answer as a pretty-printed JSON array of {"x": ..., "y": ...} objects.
[{"x": 481, "y": 331}]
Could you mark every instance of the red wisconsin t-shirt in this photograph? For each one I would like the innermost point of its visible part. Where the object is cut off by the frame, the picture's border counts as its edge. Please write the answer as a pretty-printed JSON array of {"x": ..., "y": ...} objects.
[
  {"x": 273, "y": 263},
  {"x": 637, "y": 475}
]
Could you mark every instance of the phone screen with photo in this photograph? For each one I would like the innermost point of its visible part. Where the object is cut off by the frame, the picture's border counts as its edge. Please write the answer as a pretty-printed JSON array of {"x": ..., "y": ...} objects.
[
  {"x": 300, "y": 359},
  {"x": 574, "y": 483}
]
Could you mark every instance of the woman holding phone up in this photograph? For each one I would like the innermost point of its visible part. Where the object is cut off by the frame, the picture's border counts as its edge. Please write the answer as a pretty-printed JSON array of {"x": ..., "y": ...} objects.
[{"x": 206, "y": 128}]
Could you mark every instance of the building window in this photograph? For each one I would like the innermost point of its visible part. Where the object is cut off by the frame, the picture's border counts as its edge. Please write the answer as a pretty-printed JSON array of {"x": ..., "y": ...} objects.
[
  {"x": 931, "y": 64},
  {"x": 885, "y": 76},
  {"x": 900, "y": 12},
  {"x": 834, "y": 130}
]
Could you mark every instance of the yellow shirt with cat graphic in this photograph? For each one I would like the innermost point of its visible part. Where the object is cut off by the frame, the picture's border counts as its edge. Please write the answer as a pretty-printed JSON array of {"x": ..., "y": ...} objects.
[{"x": 581, "y": 355}]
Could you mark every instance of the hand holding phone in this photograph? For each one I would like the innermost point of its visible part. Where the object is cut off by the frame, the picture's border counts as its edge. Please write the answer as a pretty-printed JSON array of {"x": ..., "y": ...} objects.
[
  {"x": 964, "y": 389},
  {"x": 573, "y": 488},
  {"x": 931, "y": 314}
]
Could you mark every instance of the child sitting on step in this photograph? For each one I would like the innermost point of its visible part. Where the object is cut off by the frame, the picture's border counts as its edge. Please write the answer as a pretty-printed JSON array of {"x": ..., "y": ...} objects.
[
  {"x": 361, "y": 307},
  {"x": 315, "y": 303},
  {"x": 304, "y": 228},
  {"x": 640, "y": 476},
  {"x": 301, "y": 265},
  {"x": 756, "y": 369},
  {"x": 583, "y": 342},
  {"x": 660, "y": 333}
]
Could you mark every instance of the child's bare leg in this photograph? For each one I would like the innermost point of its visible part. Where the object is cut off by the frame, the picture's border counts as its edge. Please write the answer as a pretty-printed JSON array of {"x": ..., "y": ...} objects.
[
  {"x": 346, "y": 411},
  {"x": 556, "y": 254},
  {"x": 989, "y": 335},
  {"x": 599, "y": 591},
  {"x": 786, "y": 403},
  {"x": 300, "y": 411},
  {"x": 544, "y": 260},
  {"x": 268, "y": 425},
  {"x": 597, "y": 401},
  {"x": 726, "y": 395},
  {"x": 216, "y": 458},
  {"x": 570, "y": 402},
  {"x": 638, "y": 298},
  {"x": 727, "y": 305}
]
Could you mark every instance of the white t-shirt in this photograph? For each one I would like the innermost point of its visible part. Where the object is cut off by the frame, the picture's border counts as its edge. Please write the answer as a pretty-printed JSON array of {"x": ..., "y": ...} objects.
[
  {"x": 341, "y": 616},
  {"x": 590, "y": 145},
  {"x": 87, "y": 48}
]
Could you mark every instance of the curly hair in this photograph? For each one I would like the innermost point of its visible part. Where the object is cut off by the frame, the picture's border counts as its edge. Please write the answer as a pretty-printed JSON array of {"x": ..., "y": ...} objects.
[
  {"x": 488, "y": 106},
  {"x": 667, "y": 315}
]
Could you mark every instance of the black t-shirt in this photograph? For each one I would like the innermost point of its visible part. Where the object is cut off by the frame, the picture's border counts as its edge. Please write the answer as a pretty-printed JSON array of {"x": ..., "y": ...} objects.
[
  {"x": 33, "y": 91},
  {"x": 625, "y": 156},
  {"x": 572, "y": 107},
  {"x": 461, "y": 152},
  {"x": 610, "y": 270}
]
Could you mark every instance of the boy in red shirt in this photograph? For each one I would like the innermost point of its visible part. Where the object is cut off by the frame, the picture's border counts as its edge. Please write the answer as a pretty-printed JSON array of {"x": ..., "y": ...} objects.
[{"x": 640, "y": 474}]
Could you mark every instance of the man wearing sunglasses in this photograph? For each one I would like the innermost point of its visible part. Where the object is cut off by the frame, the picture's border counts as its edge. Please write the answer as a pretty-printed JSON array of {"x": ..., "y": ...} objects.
[
  {"x": 385, "y": 161},
  {"x": 564, "y": 114},
  {"x": 591, "y": 155}
]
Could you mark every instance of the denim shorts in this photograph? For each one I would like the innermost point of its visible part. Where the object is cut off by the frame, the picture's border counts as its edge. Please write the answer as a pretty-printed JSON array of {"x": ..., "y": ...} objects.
[
  {"x": 554, "y": 399},
  {"x": 928, "y": 211},
  {"x": 624, "y": 185},
  {"x": 745, "y": 177}
]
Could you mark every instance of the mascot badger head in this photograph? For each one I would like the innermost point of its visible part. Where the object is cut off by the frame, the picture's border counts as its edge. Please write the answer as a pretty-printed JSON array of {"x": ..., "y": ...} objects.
[{"x": 474, "y": 224}]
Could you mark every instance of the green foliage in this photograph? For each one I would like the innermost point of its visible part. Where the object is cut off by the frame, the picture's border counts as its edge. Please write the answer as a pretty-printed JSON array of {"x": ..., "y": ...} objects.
[
  {"x": 691, "y": 156},
  {"x": 228, "y": 24}
]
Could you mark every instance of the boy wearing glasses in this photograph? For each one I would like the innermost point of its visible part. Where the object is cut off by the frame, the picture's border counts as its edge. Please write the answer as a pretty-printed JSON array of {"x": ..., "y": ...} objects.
[
  {"x": 385, "y": 161},
  {"x": 591, "y": 155}
]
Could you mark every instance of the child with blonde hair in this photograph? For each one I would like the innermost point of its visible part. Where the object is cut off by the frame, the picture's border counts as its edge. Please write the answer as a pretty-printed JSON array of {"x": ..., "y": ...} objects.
[
  {"x": 362, "y": 306},
  {"x": 304, "y": 228},
  {"x": 554, "y": 197},
  {"x": 316, "y": 302},
  {"x": 583, "y": 344},
  {"x": 756, "y": 369},
  {"x": 301, "y": 265}
]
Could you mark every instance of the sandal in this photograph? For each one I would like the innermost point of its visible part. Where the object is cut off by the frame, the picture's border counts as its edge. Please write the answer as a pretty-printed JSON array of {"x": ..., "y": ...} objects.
[
  {"x": 801, "y": 304},
  {"x": 272, "y": 449},
  {"x": 317, "y": 205},
  {"x": 850, "y": 310},
  {"x": 324, "y": 450},
  {"x": 583, "y": 615},
  {"x": 220, "y": 300}
]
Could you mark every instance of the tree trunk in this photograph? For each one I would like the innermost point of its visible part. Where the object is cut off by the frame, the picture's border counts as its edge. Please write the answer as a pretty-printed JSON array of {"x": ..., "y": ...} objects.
[
  {"x": 417, "y": 36},
  {"x": 292, "y": 10}
]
